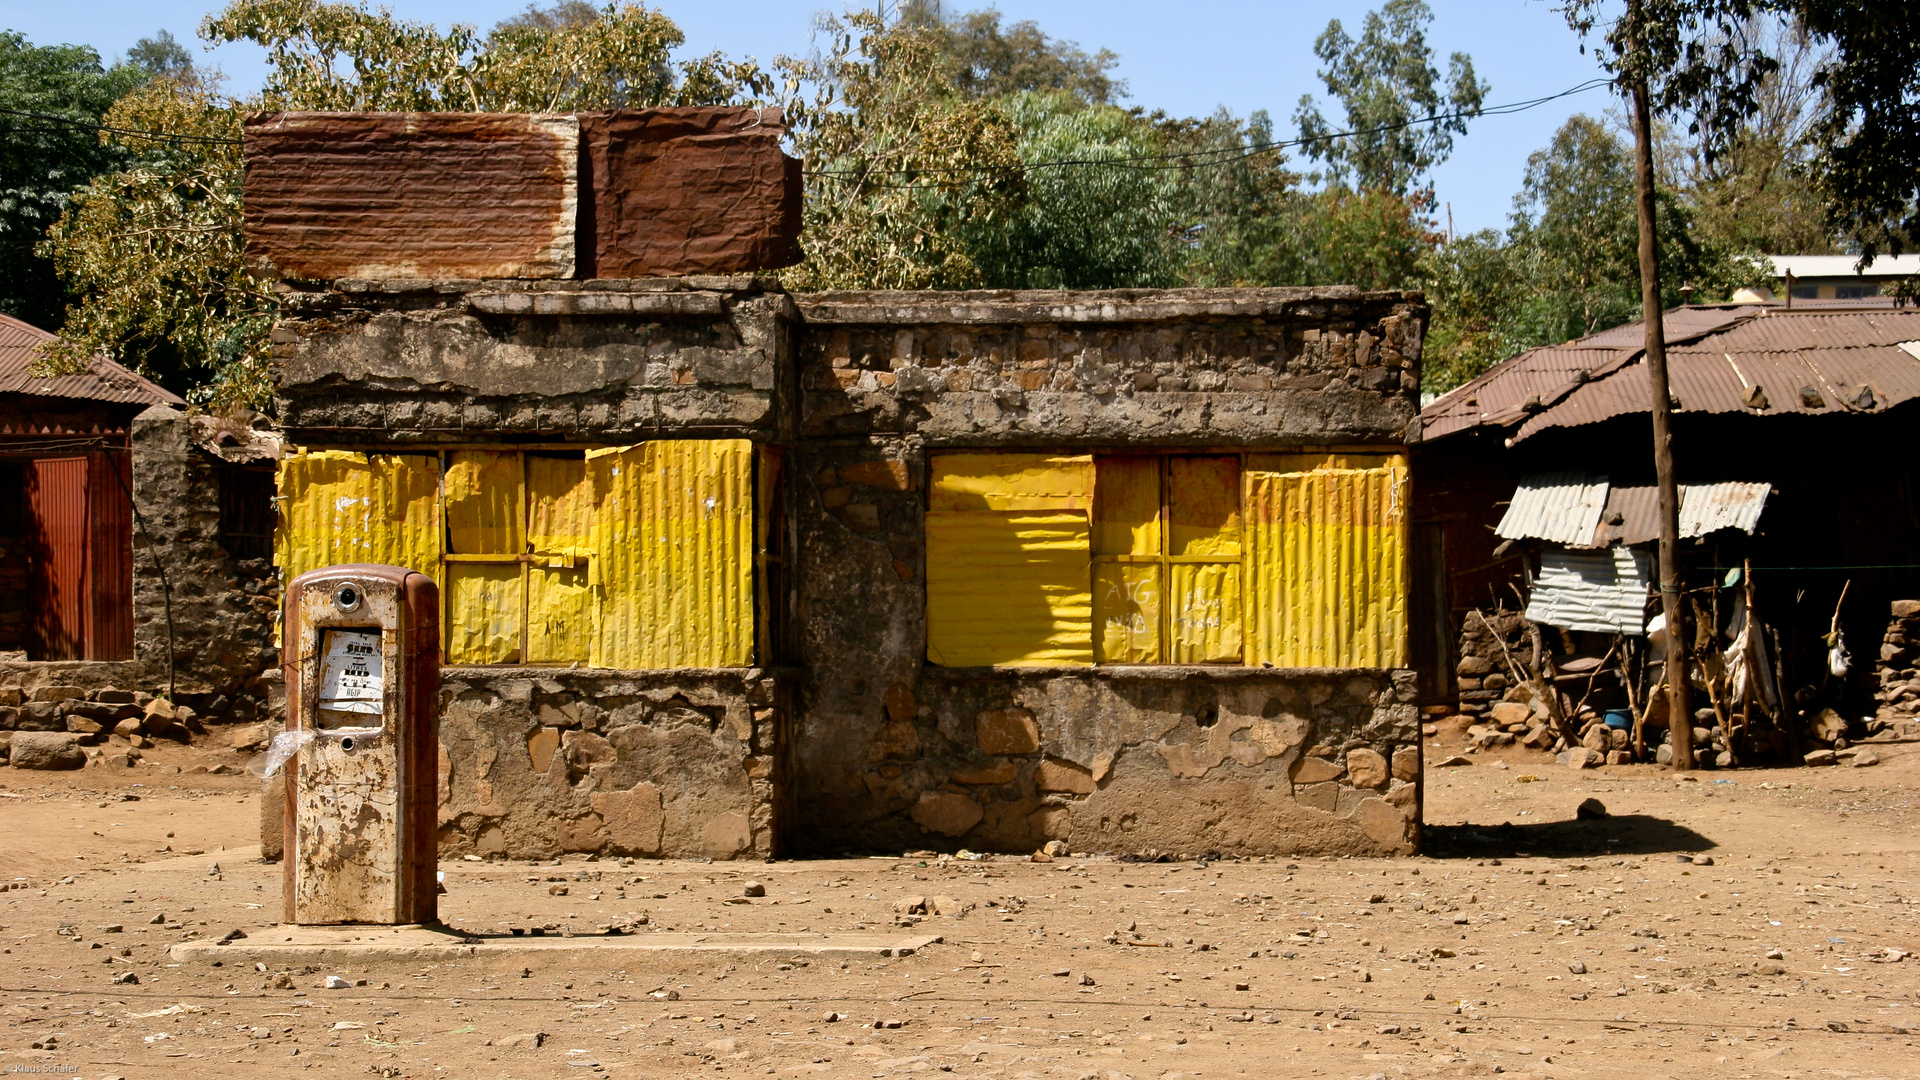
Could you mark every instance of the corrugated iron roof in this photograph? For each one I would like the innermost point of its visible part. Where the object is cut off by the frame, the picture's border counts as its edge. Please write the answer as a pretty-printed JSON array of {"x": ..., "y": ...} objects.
[
  {"x": 1563, "y": 507},
  {"x": 106, "y": 381},
  {"x": 1755, "y": 360},
  {"x": 1583, "y": 511}
]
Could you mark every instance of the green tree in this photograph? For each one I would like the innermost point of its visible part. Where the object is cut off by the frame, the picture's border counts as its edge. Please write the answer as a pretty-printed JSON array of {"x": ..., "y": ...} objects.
[
  {"x": 1867, "y": 135},
  {"x": 45, "y": 156},
  {"x": 989, "y": 59},
  {"x": 153, "y": 251},
  {"x": 1081, "y": 226},
  {"x": 904, "y": 164},
  {"x": 1384, "y": 82}
]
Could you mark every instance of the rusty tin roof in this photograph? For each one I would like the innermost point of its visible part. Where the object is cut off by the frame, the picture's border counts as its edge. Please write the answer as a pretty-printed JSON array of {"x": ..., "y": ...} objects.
[
  {"x": 106, "y": 381},
  {"x": 1755, "y": 360}
]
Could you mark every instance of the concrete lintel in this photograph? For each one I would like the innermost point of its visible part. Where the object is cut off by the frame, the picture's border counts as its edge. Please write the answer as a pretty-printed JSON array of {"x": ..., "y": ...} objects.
[
  {"x": 346, "y": 945},
  {"x": 659, "y": 305}
]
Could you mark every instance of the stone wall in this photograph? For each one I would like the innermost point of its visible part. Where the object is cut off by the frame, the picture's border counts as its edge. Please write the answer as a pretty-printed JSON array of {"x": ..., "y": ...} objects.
[
  {"x": 615, "y": 763},
  {"x": 1898, "y": 666},
  {"x": 374, "y": 363},
  {"x": 211, "y": 614}
]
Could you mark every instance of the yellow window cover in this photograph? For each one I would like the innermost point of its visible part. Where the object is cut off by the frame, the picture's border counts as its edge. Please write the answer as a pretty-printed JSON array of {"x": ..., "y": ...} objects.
[
  {"x": 1008, "y": 587},
  {"x": 1011, "y": 482},
  {"x": 337, "y": 506},
  {"x": 559, "y": 506},
  {"x": 1126, "y": 505},
  {"x": 673, "y": 554},
  {"x": 1327, "y": 560},
  {"x": 484, "y": 601},
  {"x": 1126, "y": 612},
  {"x": 484, "y": 503}
]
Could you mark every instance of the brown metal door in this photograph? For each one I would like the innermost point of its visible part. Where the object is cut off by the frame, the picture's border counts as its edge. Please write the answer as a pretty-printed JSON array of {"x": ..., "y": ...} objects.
[
  {"x": 57, "y": 545},
  {"x": 110, "y": 561}
]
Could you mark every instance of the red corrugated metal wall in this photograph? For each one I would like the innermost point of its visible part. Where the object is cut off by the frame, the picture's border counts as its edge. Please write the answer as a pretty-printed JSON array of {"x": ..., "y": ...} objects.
[
  {"x": 57, "y": 506},
  {"x": 110, "y": 570},
  {"x": 80, "y": 549}
]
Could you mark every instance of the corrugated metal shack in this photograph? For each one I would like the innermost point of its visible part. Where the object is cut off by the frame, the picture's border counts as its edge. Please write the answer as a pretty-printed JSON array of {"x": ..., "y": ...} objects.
[
  {"x": 729, "y": 571},
  {"x": 134, "y": 542},
  {"x": 1792, "y": 438}
]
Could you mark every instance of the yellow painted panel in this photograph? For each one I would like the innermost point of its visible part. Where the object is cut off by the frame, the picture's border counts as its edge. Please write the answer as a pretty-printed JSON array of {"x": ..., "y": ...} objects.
[
  {"x": 1126, "y": 505},
  {"x": 338, "y": 507},
  {"x": 1204, "y": 505},
  {"x": 1011, "y": 482},
  {"x": 559, "y": 615},
  {"x": 1207, "y": 613},
  {"x": 1008, "y": 587},
  {"x": 673, "y": 554},
  {"x": 1126, "y": 612},
  {"x": 1327, "y": 562},
  {"x": 484, "y": 601},
  {"x": 559, "y": 505},
  {"x": 484, "y": 509},
  {"x": 1311, "y": 461}
]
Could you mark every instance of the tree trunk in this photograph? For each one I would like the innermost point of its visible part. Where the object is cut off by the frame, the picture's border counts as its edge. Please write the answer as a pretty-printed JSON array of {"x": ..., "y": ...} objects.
[{"x": 1672, "y": 598}]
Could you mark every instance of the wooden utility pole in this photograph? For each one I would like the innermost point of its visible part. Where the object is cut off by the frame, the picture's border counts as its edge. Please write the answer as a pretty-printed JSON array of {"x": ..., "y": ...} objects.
[{"x": 1672, "y": 595}]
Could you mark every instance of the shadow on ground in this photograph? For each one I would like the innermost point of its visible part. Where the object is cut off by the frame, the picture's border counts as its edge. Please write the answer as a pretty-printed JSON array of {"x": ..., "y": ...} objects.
[{"x": 1627, "y": 834}]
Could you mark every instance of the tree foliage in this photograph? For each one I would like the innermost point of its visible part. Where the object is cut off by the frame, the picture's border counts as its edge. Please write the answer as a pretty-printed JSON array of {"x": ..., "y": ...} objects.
[
  {"x": 1385, "y": 81},
  {"x": 1568, "y": 264},
  {"x": 1867, "y": 137},
  {"x": 989, "y": 59},
  {"x": 42, "y": 161}
]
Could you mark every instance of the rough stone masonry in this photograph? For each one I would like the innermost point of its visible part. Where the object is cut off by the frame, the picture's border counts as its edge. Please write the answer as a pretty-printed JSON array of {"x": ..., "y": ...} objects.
[{"x": 841, "y": 735}]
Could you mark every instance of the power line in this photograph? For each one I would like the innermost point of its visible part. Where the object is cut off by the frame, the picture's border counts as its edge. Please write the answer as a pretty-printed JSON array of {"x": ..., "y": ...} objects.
[
  {"x": 1186, "y": 159},
  {"x": 66, "y": 121}
]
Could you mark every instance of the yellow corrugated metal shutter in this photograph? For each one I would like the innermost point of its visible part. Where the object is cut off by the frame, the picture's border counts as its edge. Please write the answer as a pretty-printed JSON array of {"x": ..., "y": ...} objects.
[
  {"x": 484, "y": 602},
  {"x": 1008, "y": 574},
  {"x": 1327, "y": 559},
  {"x": 560, "y": 533},
  {"x": 337, "y": 507},
  {"x": 673, "y": 554},
  {"x": 485, "y": 514}
]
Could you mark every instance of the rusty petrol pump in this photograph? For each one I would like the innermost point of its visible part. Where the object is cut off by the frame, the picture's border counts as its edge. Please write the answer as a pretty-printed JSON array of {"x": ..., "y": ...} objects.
[{"x": 363, "y": 678}]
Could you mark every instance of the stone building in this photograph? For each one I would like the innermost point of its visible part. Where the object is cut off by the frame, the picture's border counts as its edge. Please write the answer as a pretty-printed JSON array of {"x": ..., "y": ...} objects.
[{"x": 733, "y": 572}]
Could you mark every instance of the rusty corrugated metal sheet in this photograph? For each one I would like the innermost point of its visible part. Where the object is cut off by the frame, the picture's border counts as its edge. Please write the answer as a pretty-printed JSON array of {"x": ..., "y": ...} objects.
[
  {"x": 20, "y": 344},
  {"x": 673, "y": 554},
  {"x": 1632, "y": 514},
  {"x": 412, "y": 195},
  {"x": 1748, "y": 360},
  {"x": 57, "y": 520},
  {"x": 1563, "y": 507},
  {"x": 690, "y": 190},
  {"x": 1326, "y": 556}
]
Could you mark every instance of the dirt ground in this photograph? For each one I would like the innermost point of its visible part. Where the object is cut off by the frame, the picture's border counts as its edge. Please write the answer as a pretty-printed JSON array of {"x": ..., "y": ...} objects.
[{"x": 1526, "y": 942}]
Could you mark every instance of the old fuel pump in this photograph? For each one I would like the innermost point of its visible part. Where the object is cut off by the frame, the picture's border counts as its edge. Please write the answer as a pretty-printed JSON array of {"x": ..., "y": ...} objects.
[{"x": 363, "y": 676}]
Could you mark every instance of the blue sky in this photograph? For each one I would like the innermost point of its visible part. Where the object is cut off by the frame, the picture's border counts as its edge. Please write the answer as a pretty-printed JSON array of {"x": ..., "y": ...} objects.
[{"x": 1187, "y": 58}]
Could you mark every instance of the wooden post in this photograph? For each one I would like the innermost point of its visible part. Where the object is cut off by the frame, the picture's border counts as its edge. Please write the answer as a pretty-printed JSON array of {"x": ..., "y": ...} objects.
[{"x": 1672, "y": 598}]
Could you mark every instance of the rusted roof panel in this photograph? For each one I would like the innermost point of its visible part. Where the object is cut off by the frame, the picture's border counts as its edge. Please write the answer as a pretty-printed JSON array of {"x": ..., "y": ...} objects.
[
  {"x": 1563, "y": 507},
  {"x": 1632, "y": 515},
  {"x": 104, "y": 381},
  {"x": 412, "y": 195},
  {"x": 1752, "y": 360}
]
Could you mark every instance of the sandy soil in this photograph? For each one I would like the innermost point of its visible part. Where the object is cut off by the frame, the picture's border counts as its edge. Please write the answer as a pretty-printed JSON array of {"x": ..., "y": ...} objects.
[{"x": 1526, "y": 942}]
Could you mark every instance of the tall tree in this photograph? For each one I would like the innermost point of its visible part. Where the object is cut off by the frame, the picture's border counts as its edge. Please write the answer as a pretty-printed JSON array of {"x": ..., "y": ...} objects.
[
  {"x": 1385, "y": 81},
  {"x": 990, "y": 58},
  {"x": 45, "y": 155},
  {"x": 903, "y": 163},
  {"x": 1868, "y": 134}
]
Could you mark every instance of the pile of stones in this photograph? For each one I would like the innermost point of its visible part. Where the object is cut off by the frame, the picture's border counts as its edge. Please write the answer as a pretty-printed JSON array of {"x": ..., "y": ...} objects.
[{"x": 65, "y": 727}]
